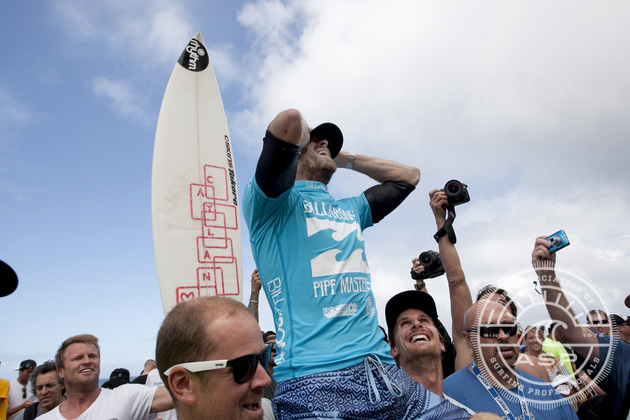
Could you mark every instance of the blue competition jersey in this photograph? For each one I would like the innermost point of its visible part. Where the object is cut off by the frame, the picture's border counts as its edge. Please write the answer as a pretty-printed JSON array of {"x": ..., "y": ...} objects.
[{"x": 309, "y": 250}]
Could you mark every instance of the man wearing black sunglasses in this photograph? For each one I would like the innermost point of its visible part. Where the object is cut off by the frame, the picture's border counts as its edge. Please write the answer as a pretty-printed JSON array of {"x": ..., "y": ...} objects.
[
  {"x": 212, "y": 359},
  {"x": 491, "y": 383},
  {"x": 598, "y": 320}
]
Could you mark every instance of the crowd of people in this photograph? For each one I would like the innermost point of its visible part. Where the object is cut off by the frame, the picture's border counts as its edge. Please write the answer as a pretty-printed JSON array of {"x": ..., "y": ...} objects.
[{"x": 328, "y": 358}]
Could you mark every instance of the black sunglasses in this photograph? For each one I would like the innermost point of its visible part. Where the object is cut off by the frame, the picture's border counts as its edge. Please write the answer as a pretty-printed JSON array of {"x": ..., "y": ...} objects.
[
  {"x": 492, "y": 331},
  {"x": 243, "y": 368},
  {"x": 598, "y": 322}
]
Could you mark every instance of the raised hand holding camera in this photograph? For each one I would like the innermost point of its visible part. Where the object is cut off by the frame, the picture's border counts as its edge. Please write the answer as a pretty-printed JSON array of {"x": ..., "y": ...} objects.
[
  {"x": 558, "y": 241},
  {"x": 432, "y": 263},
  {"x": 456, "y": 194}
]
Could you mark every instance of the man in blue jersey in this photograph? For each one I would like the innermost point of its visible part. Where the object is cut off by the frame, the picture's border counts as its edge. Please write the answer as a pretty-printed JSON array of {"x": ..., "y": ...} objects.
[
  {"x": 491, "y": 383},
  {"x": 309, "y": 248},
  {"x": 606, "y": 358}
]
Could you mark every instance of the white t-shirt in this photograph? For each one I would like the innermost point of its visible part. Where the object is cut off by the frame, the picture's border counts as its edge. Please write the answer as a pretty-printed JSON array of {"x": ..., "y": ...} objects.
[
  {"x": 15, "y": 397},
  {"x": 153, "y": 379},
  {"x": 127, "y": 402}
]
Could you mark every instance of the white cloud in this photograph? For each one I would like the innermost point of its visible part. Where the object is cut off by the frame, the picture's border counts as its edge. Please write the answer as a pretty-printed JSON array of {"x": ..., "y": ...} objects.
[
  {"x": 122, "y": 99},
  {"x": 524, "y": 102},
  {"x": 147, "y": 32},
  {"x": 506, "y": 80}
]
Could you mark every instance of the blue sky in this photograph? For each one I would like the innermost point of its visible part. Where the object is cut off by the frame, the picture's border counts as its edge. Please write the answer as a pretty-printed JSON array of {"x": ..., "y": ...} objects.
[{"x": 524, "y": 102}]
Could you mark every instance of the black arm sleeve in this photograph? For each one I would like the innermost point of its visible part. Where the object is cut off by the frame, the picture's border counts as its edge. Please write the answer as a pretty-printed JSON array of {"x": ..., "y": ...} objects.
[
  {"x": 277, "y": 165},
  {"x": 385, "y": 197}
]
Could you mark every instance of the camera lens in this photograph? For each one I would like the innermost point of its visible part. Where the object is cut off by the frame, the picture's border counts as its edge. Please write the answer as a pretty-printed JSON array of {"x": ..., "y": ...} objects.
[
  {"x": 453, "y": 188},
  {"x": 428, "y": 258}
]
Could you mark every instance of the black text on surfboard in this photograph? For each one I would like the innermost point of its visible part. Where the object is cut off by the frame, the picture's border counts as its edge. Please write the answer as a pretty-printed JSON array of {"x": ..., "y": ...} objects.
[
  {"x": 194, "y": 57},
  {"x": 228, "y": 152}
]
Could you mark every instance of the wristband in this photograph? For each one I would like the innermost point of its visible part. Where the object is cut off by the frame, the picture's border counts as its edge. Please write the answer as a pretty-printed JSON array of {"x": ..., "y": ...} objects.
[
  {"x": 419, "y": 287},
  {"x": 253, "y": 301},
  {"x": 350, "y": 161},
  {"x": 439, "y": 234}
]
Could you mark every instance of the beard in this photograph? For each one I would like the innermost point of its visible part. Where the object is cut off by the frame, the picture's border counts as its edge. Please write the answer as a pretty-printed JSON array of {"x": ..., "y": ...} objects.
[
  {"x": 313, "y": 169},
  {"x": 323, "y": 174}
]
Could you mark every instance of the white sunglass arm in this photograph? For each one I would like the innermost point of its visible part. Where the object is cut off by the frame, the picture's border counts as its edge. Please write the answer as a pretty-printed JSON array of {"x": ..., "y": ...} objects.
[{"x": 199, "y": 366}]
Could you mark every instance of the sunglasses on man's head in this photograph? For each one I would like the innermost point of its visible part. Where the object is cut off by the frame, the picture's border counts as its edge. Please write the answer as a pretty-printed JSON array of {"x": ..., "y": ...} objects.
[
  {"x": 243, "y": 368},
  {"x": 492, "y": 331}
]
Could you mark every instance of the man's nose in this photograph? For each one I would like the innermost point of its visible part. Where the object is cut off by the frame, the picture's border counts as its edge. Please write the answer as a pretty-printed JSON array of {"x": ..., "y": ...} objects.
[
  {"x": 261, "y": 378},
  {"x": 322, "y": 142},
  {"x": 503, "y": 335}
]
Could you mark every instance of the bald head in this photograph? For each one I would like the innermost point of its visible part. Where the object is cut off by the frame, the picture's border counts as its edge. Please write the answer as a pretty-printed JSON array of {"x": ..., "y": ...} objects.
[
  {"x": 483, "y": 310},
  {"x": 184, "y": 335}
]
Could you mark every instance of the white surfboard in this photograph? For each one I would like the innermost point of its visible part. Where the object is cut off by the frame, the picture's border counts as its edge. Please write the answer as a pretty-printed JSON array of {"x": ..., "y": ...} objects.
[{"x": 196, "y": 231}]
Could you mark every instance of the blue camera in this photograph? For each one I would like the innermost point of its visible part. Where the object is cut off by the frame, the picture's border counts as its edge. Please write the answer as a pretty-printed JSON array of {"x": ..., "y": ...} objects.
[{"x": 558, "y": 241}]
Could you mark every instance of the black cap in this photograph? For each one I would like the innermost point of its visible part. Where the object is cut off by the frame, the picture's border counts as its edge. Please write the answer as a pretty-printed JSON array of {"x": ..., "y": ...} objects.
[
  {"x": 618, "y": 319},
  {"x": 332, "y": 134},
  {"x": 119, "y": 373},
  {"x": 627, "y": 301},
  {"x": 27, "y": 364},
  {"x": 411, "y": 299}
]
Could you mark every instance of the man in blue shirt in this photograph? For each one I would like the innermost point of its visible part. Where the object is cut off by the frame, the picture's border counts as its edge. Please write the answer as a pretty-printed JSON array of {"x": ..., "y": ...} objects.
[
  {"x": 309, "y": 248},
  {"x": 491, "y": 383}
]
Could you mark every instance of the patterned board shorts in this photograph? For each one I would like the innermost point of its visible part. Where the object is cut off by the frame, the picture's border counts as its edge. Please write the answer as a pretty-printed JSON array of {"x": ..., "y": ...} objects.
[{"x": 369, "y": 390}]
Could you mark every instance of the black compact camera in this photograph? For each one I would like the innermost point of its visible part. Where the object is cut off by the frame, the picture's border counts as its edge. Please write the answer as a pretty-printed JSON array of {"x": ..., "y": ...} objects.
[
  {"x": 432, "y": 263},
  {"x": 558, "y": 241},
  {"x": 456, "y": 192}
]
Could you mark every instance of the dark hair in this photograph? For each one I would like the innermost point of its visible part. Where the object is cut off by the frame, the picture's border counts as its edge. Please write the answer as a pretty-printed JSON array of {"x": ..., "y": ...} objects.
[
  {"x": 267, "y": 334},
  {"x": 490, "y": 290},
  {"x": 589, "y": 316},
  {"x": 48, "y": 366}
]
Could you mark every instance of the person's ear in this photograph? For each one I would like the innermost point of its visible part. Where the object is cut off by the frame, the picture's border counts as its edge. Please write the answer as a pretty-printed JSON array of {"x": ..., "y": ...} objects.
[
  {"x": 394, "y": 352},
  {"x": 182, "y": 385},
  {"x": 468, "y": 340}
]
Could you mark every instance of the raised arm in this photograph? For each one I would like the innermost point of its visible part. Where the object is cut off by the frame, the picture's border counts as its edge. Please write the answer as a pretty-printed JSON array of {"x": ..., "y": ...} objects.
[
  {"x": 162, "y": 400},
  {"x": 380, "y": 170},
  {"x": 459, "y": 291},
  {"x": 254, "y": 296},
  {"x": 557, "y": 304},
  {"x": 286, "y": 135},
  {"x": 397, "y": 181},
  {"x": 289, "y": 126}
]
